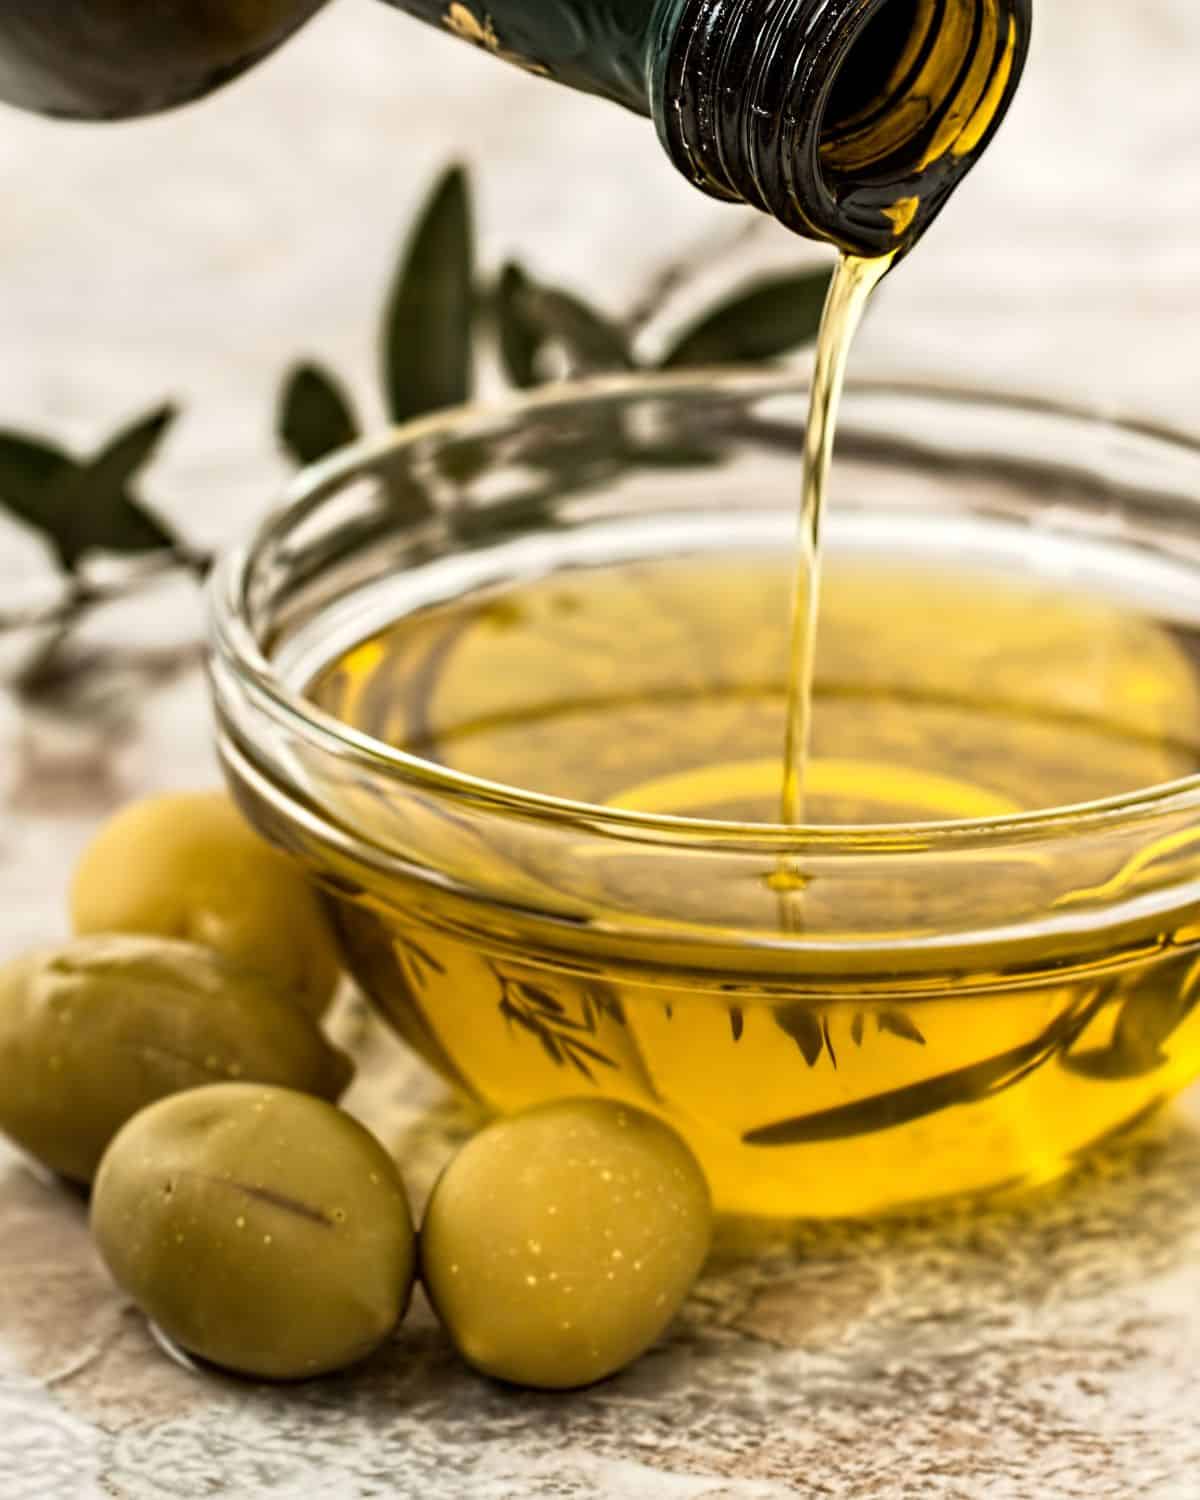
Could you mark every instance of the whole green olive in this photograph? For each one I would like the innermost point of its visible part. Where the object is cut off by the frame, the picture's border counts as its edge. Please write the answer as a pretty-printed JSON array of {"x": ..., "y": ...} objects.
[
  {"x": 559, "y": 1244},
  {"x": 93, "y": 1031},
  {"x": 188, "y": 865},
  {"x": 260, "y": 1229}
]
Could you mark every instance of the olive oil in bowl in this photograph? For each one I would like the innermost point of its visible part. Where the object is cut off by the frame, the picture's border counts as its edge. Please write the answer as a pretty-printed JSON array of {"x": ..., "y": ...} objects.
[
  {"x": 658, "y": 686},
  {"x": 530, "y": 745}
]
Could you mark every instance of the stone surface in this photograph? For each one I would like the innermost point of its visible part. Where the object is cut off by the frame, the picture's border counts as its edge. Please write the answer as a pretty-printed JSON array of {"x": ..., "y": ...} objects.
[{"x": 1042, "y": 1350}]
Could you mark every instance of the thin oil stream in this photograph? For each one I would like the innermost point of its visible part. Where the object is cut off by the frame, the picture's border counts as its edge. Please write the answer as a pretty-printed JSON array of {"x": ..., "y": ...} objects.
[{"x": 854, "y": 280}]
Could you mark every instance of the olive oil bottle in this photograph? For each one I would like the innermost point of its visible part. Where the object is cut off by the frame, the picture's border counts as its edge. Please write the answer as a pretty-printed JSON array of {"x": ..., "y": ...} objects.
[{"x": 850, "y": 121}]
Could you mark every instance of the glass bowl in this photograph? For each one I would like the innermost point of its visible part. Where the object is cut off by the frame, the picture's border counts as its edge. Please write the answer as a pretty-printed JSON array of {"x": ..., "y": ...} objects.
[{"x": 964, "y": 1004}]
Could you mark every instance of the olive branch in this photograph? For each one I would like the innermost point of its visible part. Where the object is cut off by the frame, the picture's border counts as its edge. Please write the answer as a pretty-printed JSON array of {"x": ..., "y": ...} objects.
[{"x": 440, "y": 320}]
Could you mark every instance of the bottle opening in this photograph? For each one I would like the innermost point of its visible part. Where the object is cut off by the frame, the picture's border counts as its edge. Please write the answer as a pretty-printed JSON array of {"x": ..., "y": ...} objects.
[
  {"x": 919, "y": 90},
  {"x": 849, "y": 120},
  {"x": 868, "y": 74}
]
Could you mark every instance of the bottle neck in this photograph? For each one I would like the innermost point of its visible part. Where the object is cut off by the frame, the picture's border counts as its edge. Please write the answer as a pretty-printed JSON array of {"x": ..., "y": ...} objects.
[{"x": 850, "y": 121}]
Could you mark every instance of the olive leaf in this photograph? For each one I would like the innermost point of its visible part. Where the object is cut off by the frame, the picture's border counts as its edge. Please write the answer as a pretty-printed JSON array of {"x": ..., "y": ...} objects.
[
  {"x": 535, "y": 1010},
  {"x": 83, "y": 507},
  {"x": 532, "y": 317},
  {"x": 29, "y": 469},
  {"x": 804, "y": 1028},
  {"x": 772, "y": 317},
  {"x": 520, "y": 339},
  {"x": 103, "y": 514},
  {"x": 426, "y": 343},
  {"x": 315, "y": 415},
  {"x": 896, "y": 1023},
  {"x": 593, "y": 342}
]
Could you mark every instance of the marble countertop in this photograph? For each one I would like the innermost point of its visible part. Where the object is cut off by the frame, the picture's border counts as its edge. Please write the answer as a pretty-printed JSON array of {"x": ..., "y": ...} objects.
[{"x": 1039, "y": 1352}]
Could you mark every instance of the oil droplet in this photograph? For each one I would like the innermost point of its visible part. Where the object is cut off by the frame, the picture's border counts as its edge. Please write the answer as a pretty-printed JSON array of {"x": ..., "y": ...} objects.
[{"x": 239, "y": 1222}]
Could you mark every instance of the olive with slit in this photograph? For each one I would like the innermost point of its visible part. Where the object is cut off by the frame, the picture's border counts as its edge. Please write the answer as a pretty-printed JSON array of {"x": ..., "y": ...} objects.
[
  {"x": 559, "y": 1244},
  {"x": 260, "y": 1229},
  {"x": 188, "y": 865},
  {"x": 94, "y": 1030},
  {"x": 112, "y": 59}
]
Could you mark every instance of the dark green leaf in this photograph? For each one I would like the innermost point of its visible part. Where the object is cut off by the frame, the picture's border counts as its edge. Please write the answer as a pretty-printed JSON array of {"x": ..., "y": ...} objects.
[
  {"x": 737, "y": 1022},
  {"x": 771, "y": 318},
  {"x": 592, "y": 342},
  {"x": 427, "y": 325},
  {"x": 804, "y": 1028},
  {"x": 132, "y": 449},
  {"x": 898, "y": 1024},
  {"x": 520, "y": 339},
  {"x": 315, "y": 415},
  {"x": 29, "y": 471},
  {"x": 97, "y": 512},
  {"x": 86, "y": 507}
]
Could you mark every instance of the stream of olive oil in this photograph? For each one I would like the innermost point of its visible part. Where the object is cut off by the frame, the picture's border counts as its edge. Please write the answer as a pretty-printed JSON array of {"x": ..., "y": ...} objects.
[{"x": 854, "y": 280}]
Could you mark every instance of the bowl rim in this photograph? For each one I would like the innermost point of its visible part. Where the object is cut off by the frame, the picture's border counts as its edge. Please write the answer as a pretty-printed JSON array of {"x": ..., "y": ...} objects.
[{"x": 233, "y": 643}]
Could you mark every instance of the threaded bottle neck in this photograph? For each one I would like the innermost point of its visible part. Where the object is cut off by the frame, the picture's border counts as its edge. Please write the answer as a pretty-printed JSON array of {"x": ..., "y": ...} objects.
[{"x": 850, "y": 121}]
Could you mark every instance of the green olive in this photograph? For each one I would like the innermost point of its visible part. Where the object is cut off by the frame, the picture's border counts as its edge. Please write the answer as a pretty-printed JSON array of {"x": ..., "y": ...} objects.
[
  {"x": 263, "y": 1230},
  {"x": 559, "y": 1244},
  {"x": 93, "y": 1031},
  {"x": 188, "y": 865}
]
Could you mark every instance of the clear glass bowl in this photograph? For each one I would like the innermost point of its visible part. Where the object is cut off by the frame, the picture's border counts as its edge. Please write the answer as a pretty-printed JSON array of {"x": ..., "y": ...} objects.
[{"x": 966, "y": 1005}]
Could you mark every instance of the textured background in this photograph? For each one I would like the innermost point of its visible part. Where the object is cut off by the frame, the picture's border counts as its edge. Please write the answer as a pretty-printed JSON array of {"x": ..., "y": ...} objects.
[{"x": 1043, "y": 1352}]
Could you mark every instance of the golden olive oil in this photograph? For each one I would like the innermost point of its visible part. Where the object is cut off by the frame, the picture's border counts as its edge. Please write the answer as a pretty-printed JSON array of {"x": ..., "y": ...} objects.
[
  {"x": 662, "y": 686},
  {"x": 854, "y": 280}
]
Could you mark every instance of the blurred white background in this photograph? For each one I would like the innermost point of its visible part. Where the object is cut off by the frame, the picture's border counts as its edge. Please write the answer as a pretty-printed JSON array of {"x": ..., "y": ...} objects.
[{"x": 197, "y": 254}]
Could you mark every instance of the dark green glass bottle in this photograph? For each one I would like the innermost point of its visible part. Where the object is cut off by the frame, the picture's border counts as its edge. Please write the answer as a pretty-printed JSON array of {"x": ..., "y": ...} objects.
[{"x": 850, "y": 121}]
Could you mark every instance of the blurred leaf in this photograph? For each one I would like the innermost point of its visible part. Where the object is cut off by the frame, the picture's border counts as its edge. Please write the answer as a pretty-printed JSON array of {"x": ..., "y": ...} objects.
[
  {"x": 804, "y": 1028},
  {"x": 85, "y": 507},
  {"x": 771, "y": 318},
  {"x": 29, "y": 471},
  {"x": 593, "y": 342},
  {"x": 95, "y": 508},
  {"x": 532, "y": 317},
  {"x": 427, "y": 325},
  {"x": 896, "y": 1023},
  {"x": 520, "y": 338},
  {"x": 315, "y": 415}
]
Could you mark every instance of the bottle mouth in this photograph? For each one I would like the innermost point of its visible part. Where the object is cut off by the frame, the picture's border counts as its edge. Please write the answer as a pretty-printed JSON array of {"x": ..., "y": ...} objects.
[{"x": 850, "y": 121}]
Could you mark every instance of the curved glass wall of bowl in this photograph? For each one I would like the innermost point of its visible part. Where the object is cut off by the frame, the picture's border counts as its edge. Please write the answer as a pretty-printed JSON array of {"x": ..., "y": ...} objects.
[{"x": 992, "y": 969}]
